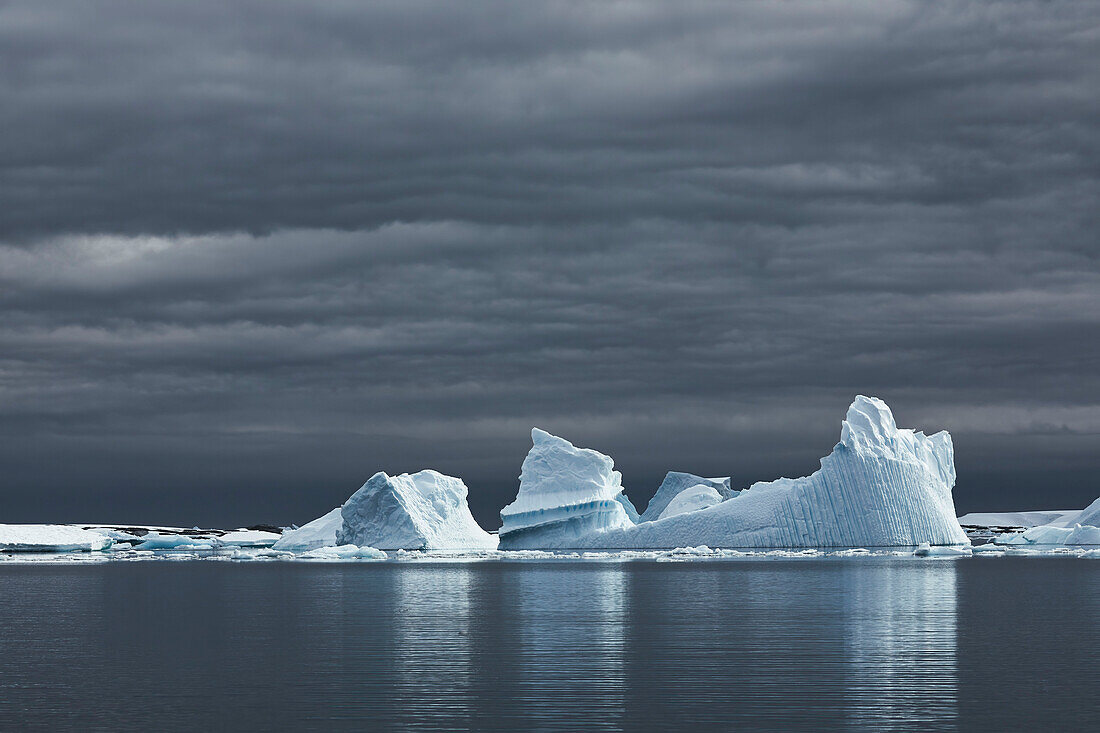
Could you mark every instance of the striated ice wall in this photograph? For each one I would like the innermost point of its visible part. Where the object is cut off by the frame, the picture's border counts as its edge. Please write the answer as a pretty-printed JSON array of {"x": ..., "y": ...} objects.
[{"x": 881, "y": 486}]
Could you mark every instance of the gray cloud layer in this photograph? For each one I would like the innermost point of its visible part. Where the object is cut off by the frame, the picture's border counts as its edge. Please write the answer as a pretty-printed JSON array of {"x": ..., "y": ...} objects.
[{"x": 252, "y": 252}]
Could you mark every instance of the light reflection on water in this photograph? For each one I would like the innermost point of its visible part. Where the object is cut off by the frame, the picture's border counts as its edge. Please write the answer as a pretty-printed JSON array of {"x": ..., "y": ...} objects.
[{"x": 840, "y": 644}]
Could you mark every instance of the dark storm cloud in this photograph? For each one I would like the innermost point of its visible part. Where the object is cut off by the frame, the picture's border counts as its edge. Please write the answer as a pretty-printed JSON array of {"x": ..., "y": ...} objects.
[{"x": 252, "y": 252}]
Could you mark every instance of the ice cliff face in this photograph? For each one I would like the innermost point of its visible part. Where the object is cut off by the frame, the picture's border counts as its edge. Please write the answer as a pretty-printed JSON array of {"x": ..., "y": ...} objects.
[
  {"x": 565, "y": 492},
  {"x": 420, "y": 511},
  {"x": 676, "y": 482},
  {"x": 881, "y": 486}
]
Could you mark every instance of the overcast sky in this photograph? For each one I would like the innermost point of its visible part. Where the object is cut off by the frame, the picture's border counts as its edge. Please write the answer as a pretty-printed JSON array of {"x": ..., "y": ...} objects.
[{"x": 253, "y": 252}]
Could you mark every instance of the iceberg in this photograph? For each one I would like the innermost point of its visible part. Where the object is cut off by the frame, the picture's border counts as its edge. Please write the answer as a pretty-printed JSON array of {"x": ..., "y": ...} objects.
[
  {"x": 50, "y": 538},
  {"x": 565, "y": 493},
  {"x": 419, "y": 511},
  {"x": 321, "y": 532},
  {"x": 676, "y": 482},
  {"x": 880, "y": 487},
  {"x": 692, "y": 499},
  {"x": 1089, "y": 516}
]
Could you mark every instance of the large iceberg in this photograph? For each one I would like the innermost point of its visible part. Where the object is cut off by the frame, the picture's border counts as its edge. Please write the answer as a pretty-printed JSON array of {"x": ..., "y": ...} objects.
[
  {"x": 51, "y": 538},
  {"x": 321, "y": 532},
  {"x": 419, "y": 511},
  {"x": 677, "y": 481},
  {"x": 880, "y": 487},
  {"x": 565, "y": 493}
]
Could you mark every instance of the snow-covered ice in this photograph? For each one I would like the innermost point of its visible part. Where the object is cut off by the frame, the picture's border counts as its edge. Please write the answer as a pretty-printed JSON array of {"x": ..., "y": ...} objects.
[
  {"x": 248, "y": 538},
  {"x": 1016, "y": 519},
  {"x": 420, "y": 511},
  {"x": 51, "y": 538},
  {"x": 676, "y": 482},
  {"x": 321, "y": 532},
  {"x": 565, "y": 493},
  {"x": 692, "y": 499},
  {"x": 881, "y": 486}
]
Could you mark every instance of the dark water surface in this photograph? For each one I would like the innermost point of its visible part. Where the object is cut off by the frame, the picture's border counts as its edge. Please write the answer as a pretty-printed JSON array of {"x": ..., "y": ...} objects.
[{"x": 863, "y": 643}]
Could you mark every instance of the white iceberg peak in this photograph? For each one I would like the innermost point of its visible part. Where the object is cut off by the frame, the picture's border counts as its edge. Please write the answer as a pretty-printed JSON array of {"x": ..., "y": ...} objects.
[
  {"x": 564, "y": 491},
  {"x": 868, "y": 424},
  {"x": 556, "y": 472},
  {"x": 420, "y": 511}
]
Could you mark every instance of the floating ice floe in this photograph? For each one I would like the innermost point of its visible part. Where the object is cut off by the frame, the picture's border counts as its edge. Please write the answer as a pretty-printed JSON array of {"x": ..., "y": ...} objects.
[
  {"x": 51, "y": 538},
  {"x": 420, "y": 511},
  {"x": 926, "y": 550},
  {"x": 880, "y": 487},
  {"x": 565, "y": 493},
  {"x": 343, "y": 552},
  {"x": 677, "y": 482},
  {"x": 321, "y": 532}
]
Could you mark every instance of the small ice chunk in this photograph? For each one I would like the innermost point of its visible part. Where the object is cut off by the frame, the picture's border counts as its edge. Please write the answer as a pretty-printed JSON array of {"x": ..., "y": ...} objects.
[
  {"x": 926, "y": 550},
  {"x": 343, "y": 552}
]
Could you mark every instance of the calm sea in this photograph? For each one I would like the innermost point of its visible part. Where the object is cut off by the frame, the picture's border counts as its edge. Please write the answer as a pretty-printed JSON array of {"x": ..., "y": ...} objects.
[{"x": 871, "y": 644}]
